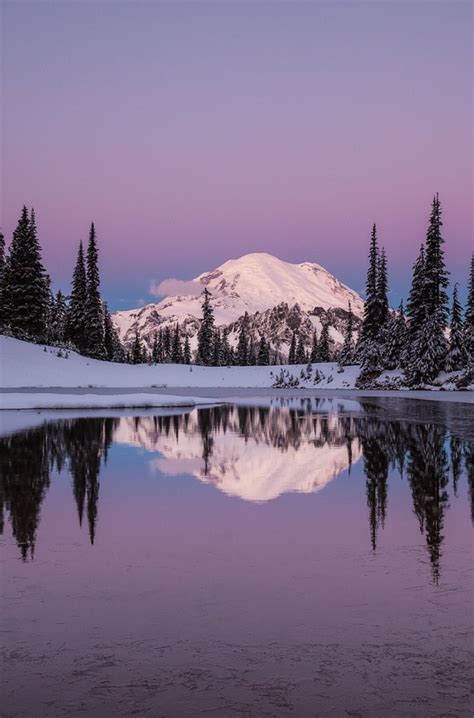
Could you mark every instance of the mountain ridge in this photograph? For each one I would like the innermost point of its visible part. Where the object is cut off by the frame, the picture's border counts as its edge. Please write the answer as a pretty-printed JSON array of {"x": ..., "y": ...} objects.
[{"x": 256, "y": 283}]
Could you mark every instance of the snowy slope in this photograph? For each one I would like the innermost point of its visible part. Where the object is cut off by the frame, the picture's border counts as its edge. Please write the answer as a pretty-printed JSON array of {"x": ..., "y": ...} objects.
[
  {"x": 253, "y": 283},
  {"x": 26, "y": 365},
  {"x": 29, "y": 365}
]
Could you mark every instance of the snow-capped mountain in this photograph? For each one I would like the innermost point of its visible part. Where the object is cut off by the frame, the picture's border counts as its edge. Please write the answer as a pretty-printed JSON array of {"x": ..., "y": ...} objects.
[{"x": 279, "y": 297}]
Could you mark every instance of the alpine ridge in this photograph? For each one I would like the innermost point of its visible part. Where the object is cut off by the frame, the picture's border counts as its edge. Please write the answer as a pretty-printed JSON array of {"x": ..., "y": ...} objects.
[{"x": 278, "y": 296}]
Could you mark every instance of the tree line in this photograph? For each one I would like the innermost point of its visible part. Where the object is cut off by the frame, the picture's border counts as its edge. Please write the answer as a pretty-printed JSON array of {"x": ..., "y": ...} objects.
[
  {"x": 30, "y": 310},
  {"x": 431, "y": 336}
]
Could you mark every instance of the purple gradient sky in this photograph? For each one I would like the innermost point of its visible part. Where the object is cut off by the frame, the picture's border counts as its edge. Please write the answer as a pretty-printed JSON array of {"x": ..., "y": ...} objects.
[{"x": 194, "y": 132}]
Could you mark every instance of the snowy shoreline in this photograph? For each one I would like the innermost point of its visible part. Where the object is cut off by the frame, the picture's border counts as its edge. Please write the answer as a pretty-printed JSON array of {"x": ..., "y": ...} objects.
[
  {"x": 80, "y": 398},
  {"x": 70, "y": 399},
  {"x": 35, "y": 377}
]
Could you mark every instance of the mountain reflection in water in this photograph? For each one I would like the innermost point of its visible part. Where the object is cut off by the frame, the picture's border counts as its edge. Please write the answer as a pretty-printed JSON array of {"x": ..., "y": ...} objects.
[{"x": 251, "y": 452}]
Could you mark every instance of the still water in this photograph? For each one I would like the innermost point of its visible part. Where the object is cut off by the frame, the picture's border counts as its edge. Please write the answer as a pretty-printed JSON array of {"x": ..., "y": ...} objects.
[{"x": 303, "y": 558}]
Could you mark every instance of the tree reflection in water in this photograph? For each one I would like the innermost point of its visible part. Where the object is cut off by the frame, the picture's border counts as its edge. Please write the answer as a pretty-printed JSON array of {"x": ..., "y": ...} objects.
[{"x": 423, "y": 452}]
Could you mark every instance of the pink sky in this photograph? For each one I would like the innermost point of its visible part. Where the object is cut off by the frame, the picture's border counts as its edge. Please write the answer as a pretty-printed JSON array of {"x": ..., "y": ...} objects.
[{"x": 195, "y": 132}]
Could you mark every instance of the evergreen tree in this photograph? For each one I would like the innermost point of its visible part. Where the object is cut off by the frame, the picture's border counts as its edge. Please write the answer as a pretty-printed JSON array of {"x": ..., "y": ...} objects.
[
  {"x": 242, "y": 358},
  {"x": 457, "y": 356},
  {"x": 227, "y": 355},
  {"x": 217, "y": 349},
  {"x": 154, "y": 349},
  {"x": 263, "y": 358},
  {"x": 324, "y": 344},
  {"x": 382, "y": 288},
  {"x": 396, "y": 340},
  {"x": 177, "y": 349},
  {"x": 436, "y": 276},
  {"x": 137, "y": 350},
  {"x": 187, "y": 350},
  {"x": 292, "y": 352},
  {"x": 166, "y": 344},
  {"x": 423, "y": 365},
  {"x": 347, "y": 352},
  {"x": 26, "y": 291},
  {"x": 76, "y": 312},
  {"x": 57, "y": 324},
  {"x": 206, "y": 331},
  {"x": 427, "y": 308},
  {"x": 252, "y": 355},
  {"x": 469, "y": 320},
  {"x": 314, "y": 357},
  {"x": 436, "y": 283},
  {"x": 416, "y": 306},
  {"x": 111, "y": 340},
  {"x": 94, "y": 313},
  {"x": 300, "y": 356},
  {"x": 371, "y": 322},
  {"x": 2, "y": 280}
]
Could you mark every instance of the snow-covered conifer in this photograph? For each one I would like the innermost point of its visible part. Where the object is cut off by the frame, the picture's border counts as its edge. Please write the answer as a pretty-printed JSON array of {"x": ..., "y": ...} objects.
[
  {"x": 292, "y": 352},
  {"x": 76, "y": 311},
  {"x": 206, "y": 331},
  {"x": 176, "y": 348},
  {"x": 325, "y": 353},
  {"x": 457, "y": 356}
]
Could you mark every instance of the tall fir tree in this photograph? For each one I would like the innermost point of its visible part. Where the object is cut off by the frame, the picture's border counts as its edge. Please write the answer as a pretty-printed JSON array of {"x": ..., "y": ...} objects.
[
  {"x": 26, "y": 288},
  {"x": 416, "y": 305},
  {"x": 94, "y": 309},
  {"x": 396, "y": 340},
  {"x": 263, "y": 357},
  {"x": 469, "y": 321},
  {"x": 457, "y": 356},
  {"x": 314, "y": 356},
  {"x": 325, "y": 353},
  {"x": 217, "y": 348},
  {"x": 428, "y": 308},
  {"x": 252, "y": 355},
  {"x": 371, "y": 322},
  {"x": 154, "y": 349},
  {"x": 206, "y": 331},
  {"x": 382, "y": 288},
  {"x": 347, "y": 352},
  {"x": 2, "y": 279},
  {"x": 242, "y": 356},
  {"x": 167, "y": 344},
  {"x": 137, "y": 354},
  {"x": 186, "y": 350},
  {"x": 177, "y": 349},
  {"x": 112, "y": 345},
  {"x": 300, "y": 356},
  {"x": 436, "y": 275},
  {"x": 57, "y": 323},
  {"x": 76, "y": 312},
  {"x": 227, "y": 354},
  {"x": 292, "y": 351}
]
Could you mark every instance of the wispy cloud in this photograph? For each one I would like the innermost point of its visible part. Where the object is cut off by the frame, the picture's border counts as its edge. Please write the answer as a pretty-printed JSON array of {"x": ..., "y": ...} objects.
[{"x": 171, "y": 287}]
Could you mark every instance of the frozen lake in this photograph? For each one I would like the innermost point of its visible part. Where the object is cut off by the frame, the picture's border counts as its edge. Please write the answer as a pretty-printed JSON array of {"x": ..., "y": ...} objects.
[{"x": 285, "y": 557}]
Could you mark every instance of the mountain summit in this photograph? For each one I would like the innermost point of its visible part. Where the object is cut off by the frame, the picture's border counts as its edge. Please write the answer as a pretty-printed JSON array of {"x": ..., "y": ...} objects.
[{"x": 256, "y": 283}]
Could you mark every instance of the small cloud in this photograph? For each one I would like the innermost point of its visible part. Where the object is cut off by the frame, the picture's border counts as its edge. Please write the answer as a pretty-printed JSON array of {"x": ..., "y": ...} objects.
[{"x": 172, "y": 287}]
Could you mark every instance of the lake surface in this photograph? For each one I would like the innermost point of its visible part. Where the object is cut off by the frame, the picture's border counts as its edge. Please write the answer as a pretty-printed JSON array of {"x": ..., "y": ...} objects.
[{"x": 299, "y": 558}]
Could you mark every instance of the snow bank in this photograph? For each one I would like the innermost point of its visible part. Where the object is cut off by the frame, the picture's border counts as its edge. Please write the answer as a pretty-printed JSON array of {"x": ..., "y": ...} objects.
[
  {"x": 32, "y": 365},
  {"x": 24, "y": 365}
]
